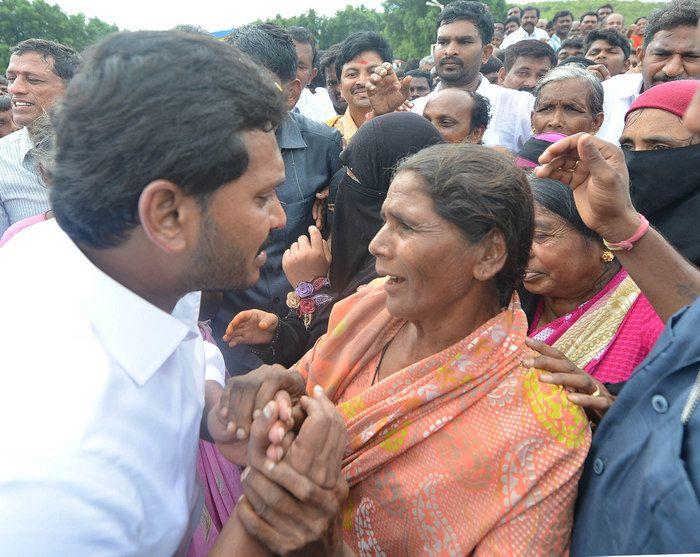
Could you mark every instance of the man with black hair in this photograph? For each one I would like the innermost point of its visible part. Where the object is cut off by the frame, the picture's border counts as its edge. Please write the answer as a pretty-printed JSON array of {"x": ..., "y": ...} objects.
[
  {"x": 490, "y": 69},
  {"x": 514, "y": 11},
  {"x": 3, "y": 85},
  {"x": 327, "y": 68},
  {"x": 37, "y": 73},
  {"x": 589, "y": 21},
  {"x": 526, "y": 62},
  {"x": 147, "y": 214},
  {"x": 604, "y": 11},
  {"x": 614, "y": 21},
  {"x": 359, "y": 55},
  {"x": 316, "y": 105},
  {"x": 511, "y": 25},
  {"x": 570, "y": 47},
  {"x": 311, "y": 155},
  {"x": 421, "y": 83},
  {"x": 609, "y": 50},
  {"x": 561, "y": 22},
  {"x": 669, "y": 52},
  {"x": 464, "y": 32},
  {"x": 528, "y": 28}
]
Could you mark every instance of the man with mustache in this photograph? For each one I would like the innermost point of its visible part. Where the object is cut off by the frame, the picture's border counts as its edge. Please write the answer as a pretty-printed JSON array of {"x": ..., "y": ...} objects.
[
  {"x": 562, "y": 22},
  {"x": 528, "y": 28},
  {"x": 526, "y": 62},
  {"x": 669, "y": 52},
  {"x": 463, "y": 44},
  {"x": 37, "y": 74},
  {"x": 327, "y": 67}
]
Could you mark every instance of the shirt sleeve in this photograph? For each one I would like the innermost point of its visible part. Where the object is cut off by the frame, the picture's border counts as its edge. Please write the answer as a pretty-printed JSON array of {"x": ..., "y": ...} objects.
[
  {"x": 4, "y": 219},
  {"x": 215, "y": 368}
]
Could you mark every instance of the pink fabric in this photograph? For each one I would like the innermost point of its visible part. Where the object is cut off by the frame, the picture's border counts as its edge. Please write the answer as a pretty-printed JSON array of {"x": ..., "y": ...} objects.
[
  {"x": 221, "y": 483},
  {"x": 633, "y": 341},
  {"x": 19, "y": 226}
]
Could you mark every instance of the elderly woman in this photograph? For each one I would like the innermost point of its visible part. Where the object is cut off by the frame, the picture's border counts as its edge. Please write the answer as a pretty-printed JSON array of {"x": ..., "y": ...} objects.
[
  {"x": 585, "y": 304},
  {"x": 454, "y": 446},
  {"x": 660, "y": 149},
  {"x": 568, "y": 100}
]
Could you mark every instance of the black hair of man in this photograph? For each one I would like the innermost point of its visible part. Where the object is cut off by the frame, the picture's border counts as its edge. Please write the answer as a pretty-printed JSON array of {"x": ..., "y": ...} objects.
[
  {"x": 531, "y": 8},
  {"x": 3, "y": 80},
  {"x": 609, "y": 6},
  {"x": 116, "y": 130},
  {"x": 302, "y": 35},
  {"x": 65, "y": 59},
  {"x": 513, "y": 18},
  {"x": 492, "y": 65},
  {"x": 5, "y": 103},
  {"x": 560, "y": 14},
  {"x": 329, "y": 57},
  {"x": 357, "y": 43},
  {"x": 424, "y": 75},
  {"x": 500, "y": 55},
  {"x": 640, "y": 19},
  {"x": 530, "y": 49},
  {"x": 579, "y": 61},
  {"x": 475, "y": 12},
  {"x": 574, "y": 42},
  {"x": 269, "y": 45},
  {"x": 481, "y": 111},
  {"x": 678, "y": 13},
  {"x": 613, "y": 37},
  {"x": 586, "y": 14}
]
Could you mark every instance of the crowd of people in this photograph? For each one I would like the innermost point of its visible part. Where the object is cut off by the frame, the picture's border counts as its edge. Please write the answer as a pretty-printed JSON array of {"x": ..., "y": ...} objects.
[{"x": 336, "y": 303}]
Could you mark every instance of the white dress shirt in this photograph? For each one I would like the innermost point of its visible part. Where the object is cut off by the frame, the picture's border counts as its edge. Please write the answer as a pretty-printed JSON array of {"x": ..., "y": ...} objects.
[
  {"x": 101, "y": 397},
  {"x": 510, "y": 125},
  {"x": 22, "y": 191},
  {"x": 315, "y": 106},
  {"x": 620, "y": 92},
  {"x": 520, "y": 35}
]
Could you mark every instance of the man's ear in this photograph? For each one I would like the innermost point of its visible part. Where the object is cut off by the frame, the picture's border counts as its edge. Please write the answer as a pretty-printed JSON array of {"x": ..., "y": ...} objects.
[
  {"x": 293, "y": 89},
  {"x": 501, "y": 76},
  {"x": 314, "y": 73},
  {"x": 168, "y": 215},
  {"x": 640, "y": 55}
]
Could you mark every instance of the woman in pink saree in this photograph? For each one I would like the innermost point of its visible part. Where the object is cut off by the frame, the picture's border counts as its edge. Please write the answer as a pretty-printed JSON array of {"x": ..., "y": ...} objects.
[{"x": 585, "y": 305}]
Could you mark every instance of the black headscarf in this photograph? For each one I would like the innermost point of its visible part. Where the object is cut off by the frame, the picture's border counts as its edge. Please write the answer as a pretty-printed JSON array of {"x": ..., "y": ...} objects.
[{"x": 372, "y": 156}]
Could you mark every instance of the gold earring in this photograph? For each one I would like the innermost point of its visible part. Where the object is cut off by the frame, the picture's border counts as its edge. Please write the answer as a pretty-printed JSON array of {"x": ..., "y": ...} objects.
[{"x": 607, "y": 256}]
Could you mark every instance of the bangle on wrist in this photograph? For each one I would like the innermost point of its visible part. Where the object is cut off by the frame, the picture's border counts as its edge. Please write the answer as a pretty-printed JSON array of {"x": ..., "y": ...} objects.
[
  {"x": 627, "y": 245},
  {"x": 306, "y": 299}
]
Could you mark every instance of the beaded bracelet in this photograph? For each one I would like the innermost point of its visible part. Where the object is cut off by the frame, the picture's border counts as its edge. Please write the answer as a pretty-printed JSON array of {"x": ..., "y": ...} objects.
[{"x": 306, "y": 298}]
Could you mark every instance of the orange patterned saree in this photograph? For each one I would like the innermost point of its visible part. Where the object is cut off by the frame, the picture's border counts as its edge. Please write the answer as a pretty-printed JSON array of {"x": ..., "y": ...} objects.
[{"x": 462, "y": 453}]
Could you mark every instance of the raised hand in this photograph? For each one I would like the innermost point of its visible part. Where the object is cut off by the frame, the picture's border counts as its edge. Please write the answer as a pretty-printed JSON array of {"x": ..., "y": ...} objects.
[
  {"x": 596, "y": 172},
  {"x": 253, "y": 326},
  {"x": 386, "y": 93},
  {"x": 307, "y": 259}
]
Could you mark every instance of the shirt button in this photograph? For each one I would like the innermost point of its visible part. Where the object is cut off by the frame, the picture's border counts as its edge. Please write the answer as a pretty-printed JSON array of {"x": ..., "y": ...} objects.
[
  {"x": 659, "y": 403},
  {"x": 277, "y": 299},
  {"x": 598, "y": 466}
]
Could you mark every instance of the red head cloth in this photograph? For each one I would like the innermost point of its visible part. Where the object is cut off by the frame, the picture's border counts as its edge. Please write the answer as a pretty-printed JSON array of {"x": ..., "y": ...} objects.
[{"x": 672, "y": 96}]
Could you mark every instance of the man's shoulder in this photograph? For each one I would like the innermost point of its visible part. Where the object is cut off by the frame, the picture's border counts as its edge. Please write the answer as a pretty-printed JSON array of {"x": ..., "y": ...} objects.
[
  {"x": 12, "y": 143},
  {"x": 493, "y": 91},
  {"x": 315, "y": 131},
  {"x": 623, "y": 85}
]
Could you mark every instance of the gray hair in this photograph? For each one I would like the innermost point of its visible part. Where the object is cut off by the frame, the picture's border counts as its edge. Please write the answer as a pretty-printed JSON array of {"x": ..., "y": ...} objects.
[
  {"x": 563, "y": 73},
  {"x": 42, "y": 136}
]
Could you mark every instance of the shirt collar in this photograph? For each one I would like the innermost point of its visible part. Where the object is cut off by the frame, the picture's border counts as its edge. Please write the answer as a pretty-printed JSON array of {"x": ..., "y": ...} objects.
[
  {"x": 137, "y": 334},
  {"x": 289, "y": 135}
]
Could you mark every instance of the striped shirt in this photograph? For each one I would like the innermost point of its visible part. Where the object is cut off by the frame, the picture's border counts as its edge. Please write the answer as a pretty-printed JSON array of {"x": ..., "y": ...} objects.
[{"x": 22, "y": 191}]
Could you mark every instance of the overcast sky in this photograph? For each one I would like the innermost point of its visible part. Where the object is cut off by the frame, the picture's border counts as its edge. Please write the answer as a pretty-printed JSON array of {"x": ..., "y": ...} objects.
[{"x": 213, "y": 15}]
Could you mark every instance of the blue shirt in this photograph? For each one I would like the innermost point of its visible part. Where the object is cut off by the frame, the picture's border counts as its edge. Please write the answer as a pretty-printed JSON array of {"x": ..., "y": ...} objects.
[
  {"x": 311, "y": 155},
  {"x": 640, "y": 488}
]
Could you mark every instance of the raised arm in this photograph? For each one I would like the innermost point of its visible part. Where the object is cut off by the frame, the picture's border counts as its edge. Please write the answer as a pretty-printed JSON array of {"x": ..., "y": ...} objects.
[{"x": 596, "y": 172}]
